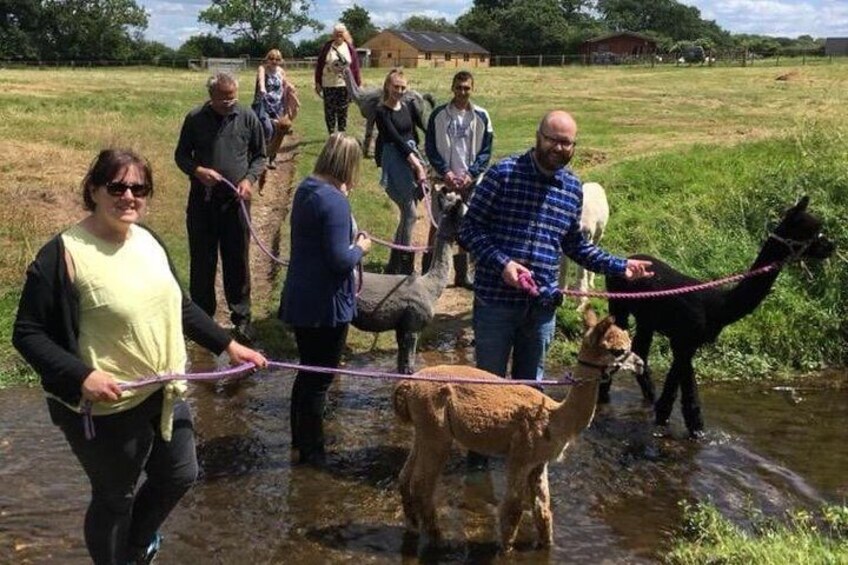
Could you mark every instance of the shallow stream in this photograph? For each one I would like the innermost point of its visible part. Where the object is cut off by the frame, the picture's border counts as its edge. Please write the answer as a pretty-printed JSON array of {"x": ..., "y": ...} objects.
[{"x": 615, "y": 495}]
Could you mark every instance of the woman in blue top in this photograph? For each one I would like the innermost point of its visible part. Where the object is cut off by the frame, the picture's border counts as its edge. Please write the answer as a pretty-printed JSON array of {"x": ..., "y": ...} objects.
[
  {"x": 278, "y": 96},
  {"x": 319, "y": 295}
]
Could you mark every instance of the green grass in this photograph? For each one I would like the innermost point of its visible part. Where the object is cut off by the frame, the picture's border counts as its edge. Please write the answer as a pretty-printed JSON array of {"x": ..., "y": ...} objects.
[
  {"x": 695, "y": 161},
  {"x": 801, "y": 537}
]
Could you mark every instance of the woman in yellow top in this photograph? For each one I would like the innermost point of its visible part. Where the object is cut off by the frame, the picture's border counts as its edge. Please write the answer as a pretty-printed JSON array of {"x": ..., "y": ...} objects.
[{"x": 101, "y": 306}]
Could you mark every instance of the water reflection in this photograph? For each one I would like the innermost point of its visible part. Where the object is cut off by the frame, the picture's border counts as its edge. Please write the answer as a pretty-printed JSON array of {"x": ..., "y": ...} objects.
[{"x": 615, "y": 496}]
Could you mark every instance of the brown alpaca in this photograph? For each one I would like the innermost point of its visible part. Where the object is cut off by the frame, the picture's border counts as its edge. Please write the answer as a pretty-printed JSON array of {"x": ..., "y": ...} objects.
[{"x": 516, "y": 421}]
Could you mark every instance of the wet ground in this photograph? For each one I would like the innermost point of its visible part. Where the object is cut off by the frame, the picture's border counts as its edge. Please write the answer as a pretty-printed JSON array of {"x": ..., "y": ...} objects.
[{"x": 615, "y": 496}]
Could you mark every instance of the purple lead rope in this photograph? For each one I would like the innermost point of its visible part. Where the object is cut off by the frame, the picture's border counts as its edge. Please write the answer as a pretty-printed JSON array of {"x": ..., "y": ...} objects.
[{"x": 88, "y": 420}]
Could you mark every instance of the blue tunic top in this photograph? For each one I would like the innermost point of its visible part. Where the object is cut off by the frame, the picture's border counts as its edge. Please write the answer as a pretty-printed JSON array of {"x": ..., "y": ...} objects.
[{"x": 320, "y": 290}]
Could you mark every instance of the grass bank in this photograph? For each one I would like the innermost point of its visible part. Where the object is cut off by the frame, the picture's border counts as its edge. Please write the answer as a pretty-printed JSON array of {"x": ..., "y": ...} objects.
[{"x": 801, "y": 537}]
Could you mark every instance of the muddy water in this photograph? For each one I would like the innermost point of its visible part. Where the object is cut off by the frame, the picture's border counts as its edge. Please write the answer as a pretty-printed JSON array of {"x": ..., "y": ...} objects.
[{"x": 614, "y": 496}]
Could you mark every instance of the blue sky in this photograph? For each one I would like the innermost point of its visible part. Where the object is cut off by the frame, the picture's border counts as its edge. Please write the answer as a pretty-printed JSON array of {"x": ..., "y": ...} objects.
[{"x": 174, "y": 22}]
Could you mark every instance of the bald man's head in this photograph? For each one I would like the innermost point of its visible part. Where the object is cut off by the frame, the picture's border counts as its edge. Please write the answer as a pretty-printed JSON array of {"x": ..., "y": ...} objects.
[{"x": 556, "y": 139}]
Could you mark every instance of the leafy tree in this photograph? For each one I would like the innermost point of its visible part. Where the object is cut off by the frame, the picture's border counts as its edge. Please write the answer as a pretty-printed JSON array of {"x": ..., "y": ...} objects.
[
  {"x": 89, "y": 29},
  {"x": 527, "y": 26},
  {"x": 667, "y": 17},
  {"x": 264, "y": 22},
  {"x": 424, "y": 23},
  {"x": 358, "y": 22},
  {"x": 204, "y": 45},
  {"x": 19, "y": 24},
  {"x": 310, "y": 47},
  {"x": 152, "y": 50}
]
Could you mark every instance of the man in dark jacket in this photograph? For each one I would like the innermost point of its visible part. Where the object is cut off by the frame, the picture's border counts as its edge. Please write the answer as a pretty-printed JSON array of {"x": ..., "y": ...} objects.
[{"x": 221, "y": 140}]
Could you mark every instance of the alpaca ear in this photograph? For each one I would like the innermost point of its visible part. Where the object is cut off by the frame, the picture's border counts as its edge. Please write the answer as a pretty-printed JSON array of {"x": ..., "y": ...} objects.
[
  {"x": 604, "y": 326},
  {"x": 801, "y": 206},
  {"x": 590, "y": 318}
]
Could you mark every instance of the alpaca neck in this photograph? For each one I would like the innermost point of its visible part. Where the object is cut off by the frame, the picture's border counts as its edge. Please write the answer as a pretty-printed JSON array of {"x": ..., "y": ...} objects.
[
  {"x": 575, "y": 413},
  {"x": 352, "y": 88},
  {"x": 745, "y": 297},
  {"x": 436, "y": 278}
]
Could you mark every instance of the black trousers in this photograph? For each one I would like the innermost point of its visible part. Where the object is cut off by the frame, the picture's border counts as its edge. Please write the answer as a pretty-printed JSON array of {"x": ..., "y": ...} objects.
[
  {"x": 214, "y": 224},
  {"x": 336, "y": 102},
  {"x": 119, "y": 519},
  {"x": 320, "y": 347}
]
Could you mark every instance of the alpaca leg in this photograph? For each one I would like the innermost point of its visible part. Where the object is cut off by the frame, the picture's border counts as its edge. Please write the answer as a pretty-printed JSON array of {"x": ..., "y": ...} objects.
[
  {"x": 665, "y": 403},
  {"x": 541, "y": 499},
  {"x": 642, "y": 347},
  {"x": 411, "y": 511},
  {"x": 426, "y": 473},
  {"x": 563, "y": 272},
  {"x": 369, "y": 134},
  {"x": 583, "y": 285},
  {"x": 511, "y": 507},
  {"x": 690, "y": 403},
  {"x": 407, "y": 342}
]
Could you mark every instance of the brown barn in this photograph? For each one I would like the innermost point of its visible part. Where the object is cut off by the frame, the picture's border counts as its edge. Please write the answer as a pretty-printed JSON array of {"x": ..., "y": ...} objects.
[
  {"x": 396, "y": 48},
  {"x": 614, "y": 46}
]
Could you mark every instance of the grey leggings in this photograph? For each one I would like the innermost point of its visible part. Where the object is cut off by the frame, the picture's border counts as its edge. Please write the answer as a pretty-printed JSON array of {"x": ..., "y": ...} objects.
[
  {"x": 408, "y": 217},
  {"x": 119, "y": 519}
]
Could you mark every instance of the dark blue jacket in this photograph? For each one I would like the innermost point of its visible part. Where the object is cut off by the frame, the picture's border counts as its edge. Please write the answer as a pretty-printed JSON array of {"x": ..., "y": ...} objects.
[{"x": 319, "y": 289}]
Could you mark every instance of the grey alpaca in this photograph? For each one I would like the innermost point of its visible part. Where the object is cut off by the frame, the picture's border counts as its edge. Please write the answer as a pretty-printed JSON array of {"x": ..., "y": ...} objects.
[
  {"x": 368, "y": 99},
  {"x": 407, "y": 303}
]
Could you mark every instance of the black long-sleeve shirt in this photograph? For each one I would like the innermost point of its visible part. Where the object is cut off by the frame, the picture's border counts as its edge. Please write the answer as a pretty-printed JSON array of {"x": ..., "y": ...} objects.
[
  {"x": 398, "y": 127},
  {"x": 233, "y": 145}
]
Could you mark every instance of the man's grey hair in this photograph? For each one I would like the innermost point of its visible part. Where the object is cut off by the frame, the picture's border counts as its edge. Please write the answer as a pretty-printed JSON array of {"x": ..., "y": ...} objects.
[{"x": 220, "y": 77}]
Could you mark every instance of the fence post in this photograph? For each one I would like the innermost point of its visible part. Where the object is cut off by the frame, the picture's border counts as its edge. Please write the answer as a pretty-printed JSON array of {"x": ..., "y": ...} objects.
[
  {"x": 518, "y": 61},
  {"x": 540, "y": 60},
  {"x": 563, "y": 61}
]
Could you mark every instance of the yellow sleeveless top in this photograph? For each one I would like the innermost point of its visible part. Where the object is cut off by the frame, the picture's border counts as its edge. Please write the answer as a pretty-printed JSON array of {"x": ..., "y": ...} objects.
[{"x": 130, "y": 315}]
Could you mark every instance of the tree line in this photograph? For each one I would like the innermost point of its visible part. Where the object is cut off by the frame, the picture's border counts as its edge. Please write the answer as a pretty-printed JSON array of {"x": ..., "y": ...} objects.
[{"x": 113, "y": 29}]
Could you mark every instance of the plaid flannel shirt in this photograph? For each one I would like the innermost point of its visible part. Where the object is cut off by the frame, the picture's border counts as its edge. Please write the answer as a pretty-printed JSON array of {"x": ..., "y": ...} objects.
[{"x": 517, "y": 213}]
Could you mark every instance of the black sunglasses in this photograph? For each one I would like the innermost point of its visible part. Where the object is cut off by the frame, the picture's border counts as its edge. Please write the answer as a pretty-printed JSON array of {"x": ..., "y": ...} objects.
[{"x": 118, "y": 188}]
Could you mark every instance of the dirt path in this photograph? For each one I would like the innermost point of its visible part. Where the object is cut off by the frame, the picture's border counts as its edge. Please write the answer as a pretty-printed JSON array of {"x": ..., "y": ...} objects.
[
  {"x": 269, "y": 210},
  {"x": 451, "y": 326}
]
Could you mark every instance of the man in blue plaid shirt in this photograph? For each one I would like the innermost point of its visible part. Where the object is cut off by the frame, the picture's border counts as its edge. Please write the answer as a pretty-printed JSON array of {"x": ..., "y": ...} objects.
[{"x": 522, "y": 216}]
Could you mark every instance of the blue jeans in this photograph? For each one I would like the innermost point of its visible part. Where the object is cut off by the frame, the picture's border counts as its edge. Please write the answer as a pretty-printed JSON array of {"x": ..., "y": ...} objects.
[{"x": 525, "y": 331}]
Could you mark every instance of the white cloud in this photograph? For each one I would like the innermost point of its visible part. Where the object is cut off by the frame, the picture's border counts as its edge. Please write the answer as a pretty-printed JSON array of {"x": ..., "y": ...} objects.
[{"x": 819, "y": 18}]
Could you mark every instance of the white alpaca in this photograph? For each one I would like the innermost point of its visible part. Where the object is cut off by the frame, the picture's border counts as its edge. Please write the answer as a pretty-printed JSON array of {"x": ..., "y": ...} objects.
[{"x": 593, "y": 222}]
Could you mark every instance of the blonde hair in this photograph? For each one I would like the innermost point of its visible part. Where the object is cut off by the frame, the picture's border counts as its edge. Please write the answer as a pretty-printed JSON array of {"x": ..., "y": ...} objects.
[
  {"x": 345, "y": 33},
  {"x": 340, "y": 159},
  {"x": 396, "y": 72},
  {"x": 274, "y": 53}
]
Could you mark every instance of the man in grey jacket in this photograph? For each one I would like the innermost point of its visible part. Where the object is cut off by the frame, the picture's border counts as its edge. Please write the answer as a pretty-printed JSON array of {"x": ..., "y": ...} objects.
[
  {"x": 459, "y": 147},
  {"x": 221, "y": 140}
]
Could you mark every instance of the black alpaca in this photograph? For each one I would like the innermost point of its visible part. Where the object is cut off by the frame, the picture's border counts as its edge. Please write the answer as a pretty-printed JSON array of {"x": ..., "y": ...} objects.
[{"x": 691, "y": 320}]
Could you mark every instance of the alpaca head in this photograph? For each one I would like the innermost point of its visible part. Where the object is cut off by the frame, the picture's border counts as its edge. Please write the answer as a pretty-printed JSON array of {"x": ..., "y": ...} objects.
[
  {"x": 801, "y": 232},
  {"x": 449, "y": 209},
  {"x": 607, "y": 345}
]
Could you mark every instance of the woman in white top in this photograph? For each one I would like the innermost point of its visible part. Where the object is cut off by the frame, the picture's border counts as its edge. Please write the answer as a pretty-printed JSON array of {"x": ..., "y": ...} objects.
[{"x": 336, "y": 57}]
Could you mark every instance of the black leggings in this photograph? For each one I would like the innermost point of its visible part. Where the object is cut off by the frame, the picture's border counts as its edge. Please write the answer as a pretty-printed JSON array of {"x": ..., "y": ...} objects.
[
  {"x": 336, "y": 102},
  {"x": 120, "y": 520},
  {"x": 320, "y": 347}
]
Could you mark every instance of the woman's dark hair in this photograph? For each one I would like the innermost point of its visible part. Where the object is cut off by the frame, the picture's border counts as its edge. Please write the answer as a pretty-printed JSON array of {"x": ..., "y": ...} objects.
[{"x": 106, "y": 166}]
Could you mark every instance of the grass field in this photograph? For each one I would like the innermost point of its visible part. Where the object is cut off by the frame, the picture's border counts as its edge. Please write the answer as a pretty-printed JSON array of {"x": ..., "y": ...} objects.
[{"x": 696, "y": 161}]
